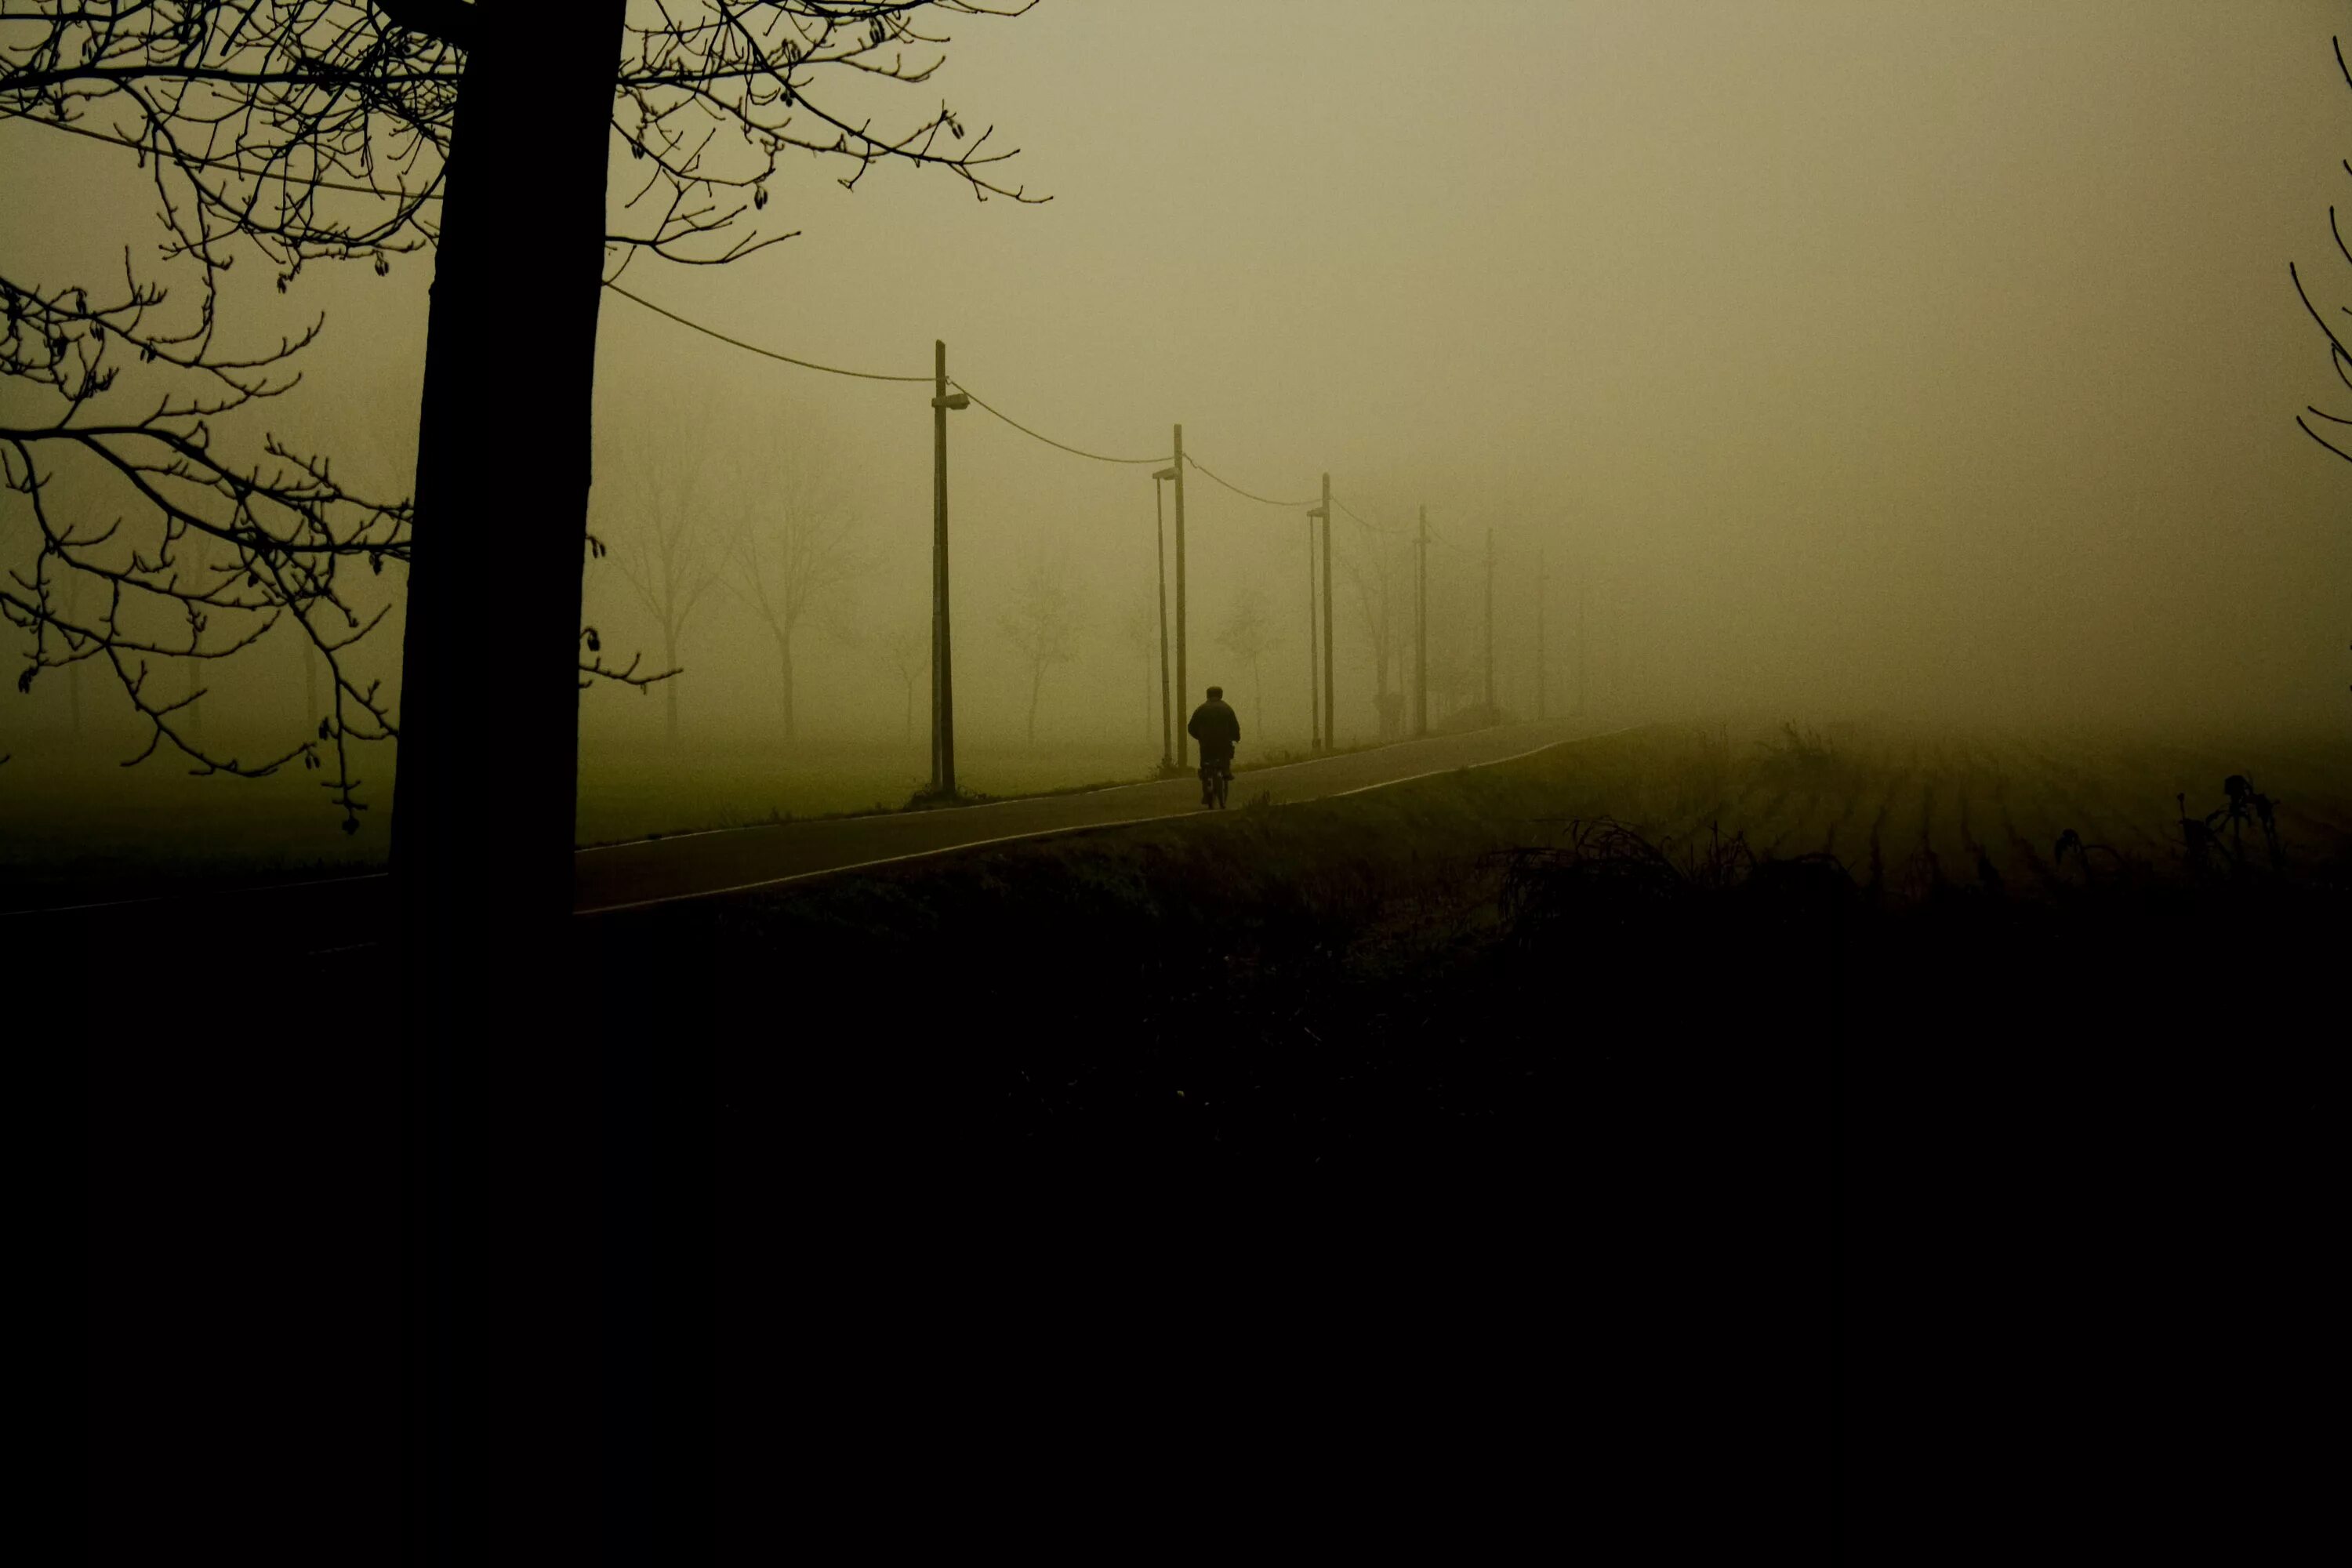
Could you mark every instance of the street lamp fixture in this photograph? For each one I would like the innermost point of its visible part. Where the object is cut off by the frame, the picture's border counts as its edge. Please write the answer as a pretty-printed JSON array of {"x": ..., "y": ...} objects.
[
  {"x": 953, "y": 400},
  {"x": 1166, "y": 473}
]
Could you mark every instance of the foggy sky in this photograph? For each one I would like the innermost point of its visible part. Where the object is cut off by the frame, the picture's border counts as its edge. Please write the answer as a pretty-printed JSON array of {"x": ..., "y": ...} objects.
[{"x": 1860, "y": 357}]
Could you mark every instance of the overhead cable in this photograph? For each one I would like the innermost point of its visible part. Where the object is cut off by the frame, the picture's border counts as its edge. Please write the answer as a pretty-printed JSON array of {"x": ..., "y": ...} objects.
[
  {"x": 1375, "y": 527},
  {"x": 291, "y": 177},
  {"x": 1265, "y": 501},
  {"x": 875, "y": 375},
  {"x": 1075, "y": 451},
  {"x": 754, "y": 348}
]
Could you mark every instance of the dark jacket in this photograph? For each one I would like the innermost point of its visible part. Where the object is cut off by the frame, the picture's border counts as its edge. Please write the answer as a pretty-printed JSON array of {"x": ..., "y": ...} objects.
[{"x": 1218, "y": 730}]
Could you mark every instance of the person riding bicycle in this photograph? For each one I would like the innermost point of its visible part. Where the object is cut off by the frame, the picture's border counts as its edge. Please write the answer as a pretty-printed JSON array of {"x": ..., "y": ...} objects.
[{"x": 1217, "y": 729}]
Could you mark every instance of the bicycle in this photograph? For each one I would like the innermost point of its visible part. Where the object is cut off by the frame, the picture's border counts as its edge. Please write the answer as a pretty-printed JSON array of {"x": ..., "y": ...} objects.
[{"x": 1216, "y": 782}]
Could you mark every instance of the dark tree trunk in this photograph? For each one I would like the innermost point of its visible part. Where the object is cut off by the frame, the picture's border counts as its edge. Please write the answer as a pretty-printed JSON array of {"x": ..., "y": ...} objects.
[
  {"x": 484, "y": 810},
  {"x": 669, "y": 687},
  {"x": 784, "y": 669},
  {"x": 1037, "y": 683},
  {"x": 504, "y": 1369}
]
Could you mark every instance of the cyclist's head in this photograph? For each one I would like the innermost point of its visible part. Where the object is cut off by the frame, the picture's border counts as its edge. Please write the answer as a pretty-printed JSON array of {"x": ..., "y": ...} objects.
[{"x": 1215, "y": 693}]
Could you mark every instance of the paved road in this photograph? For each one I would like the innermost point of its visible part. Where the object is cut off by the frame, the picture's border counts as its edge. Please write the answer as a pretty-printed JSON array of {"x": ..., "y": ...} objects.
[
  {"x": 628, "y": 876},
  {"x": 698, "y": 865}
]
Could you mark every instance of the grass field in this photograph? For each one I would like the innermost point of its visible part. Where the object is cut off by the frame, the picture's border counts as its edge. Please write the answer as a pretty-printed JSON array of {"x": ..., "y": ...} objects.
[
  {"x": 2035, "y": 1157},
  {"x": 1348, "y": 914},
  {"x": 83, "y": 826},
  {"x": 1649, "y": 1144}
]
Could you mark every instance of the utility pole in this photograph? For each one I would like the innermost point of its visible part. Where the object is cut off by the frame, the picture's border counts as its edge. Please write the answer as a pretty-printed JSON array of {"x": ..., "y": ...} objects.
[
  {"x": 1580, "y": 644},
  {"x": 1314, "y": 679},
  {"x": 1184, "y": 689},
  {"x": 1330, "y": 714},
  {"x": 1543, "y": 574},
  {"x": 1421, "y": 633},
  {"x": 1160, "y": 531},
  {"x": 1386, "y": 647},
  {"x": 943, "y": 781},
  {"x": 1490, "y": 626}
]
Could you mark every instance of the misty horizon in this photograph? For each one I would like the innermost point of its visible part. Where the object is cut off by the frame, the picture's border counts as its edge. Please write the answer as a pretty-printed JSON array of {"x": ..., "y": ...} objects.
[{"x": 1828, "y": 360}]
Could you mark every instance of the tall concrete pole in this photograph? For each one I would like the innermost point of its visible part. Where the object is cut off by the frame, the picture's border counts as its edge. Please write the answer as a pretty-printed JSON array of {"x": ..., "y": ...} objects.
[
  {"x": 1330, "y": 715},
  {"x": 1490, "y": 626},
  {"x": 1421, "y": 633},
  {"x": 938, "y": 488},
  {"x": 1543, "y": 574},
  {"x": 1314, "y": 680},
  {"x": 1159, "y": 532},
  {"x": 1184, "y": 689},
  {"x": 943, "y": 781},
  {"x": 1580, "y": 644}
]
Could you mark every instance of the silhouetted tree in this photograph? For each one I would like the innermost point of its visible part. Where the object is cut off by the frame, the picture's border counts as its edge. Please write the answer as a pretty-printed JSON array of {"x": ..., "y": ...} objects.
[
  {"x": 199, "y": 556},
  {"x": 2339, "y": 354},
  {"x": 795, "y": 549},
  {"x": 907, "y": 646},
  {"x": 1043, "y": 624},
  {"x": 1379, "y": 567},
  {"x": 668, "y": 558},
  {"x": 321, "y": 130},
  {"x": 1139, "y": 628},
  {"x": 1249, "y": 636},
  {"x": 300, "y": 130}
]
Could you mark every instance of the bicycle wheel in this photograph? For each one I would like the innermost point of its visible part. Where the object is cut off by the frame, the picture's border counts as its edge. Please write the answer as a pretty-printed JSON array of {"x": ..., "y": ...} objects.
[{"x": 1224, "y": 783}]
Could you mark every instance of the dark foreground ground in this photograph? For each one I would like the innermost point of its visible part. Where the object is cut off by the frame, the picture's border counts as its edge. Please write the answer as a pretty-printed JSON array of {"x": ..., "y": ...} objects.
[{"x": 1314, "y": 1157}]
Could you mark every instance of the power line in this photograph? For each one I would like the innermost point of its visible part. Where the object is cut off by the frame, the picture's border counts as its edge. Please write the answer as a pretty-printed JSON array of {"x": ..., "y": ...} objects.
[
  {"x": 1075, "y": 451},
  {"x": 1375, "y": 527},
  {"x": 877, "y": 375},
  {"x": 1440, "y": 539},
  {"x": 764, "y": 354},
  {"x": 1265, "y": 500},
  {"x": 292, "y": 177}
]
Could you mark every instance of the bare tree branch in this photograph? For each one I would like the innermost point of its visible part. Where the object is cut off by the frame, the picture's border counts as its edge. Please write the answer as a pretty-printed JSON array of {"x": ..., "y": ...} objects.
[{"x": 2339, "y": 355}]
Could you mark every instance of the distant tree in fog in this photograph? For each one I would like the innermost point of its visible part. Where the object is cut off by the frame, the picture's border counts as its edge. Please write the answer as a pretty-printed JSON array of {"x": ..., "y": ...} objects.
[
  {"x": 907, "y": 646},
  {"x": 1139, "y": 628},
  {"x": 667, "y": 554},
  {"x": 1456, "y": 671},
  {"x": 1043, "y": 624},
  {"x": 796, "y": 549},
  {"x": 1249, "y": 636},
  {"x": 1380, "y": 568},
  {"x": 2340, "y": 353}
]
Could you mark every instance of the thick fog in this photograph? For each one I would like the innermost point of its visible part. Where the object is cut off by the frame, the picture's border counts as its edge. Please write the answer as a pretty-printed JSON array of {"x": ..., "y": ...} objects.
[{"x": 1810, "y": 358}]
